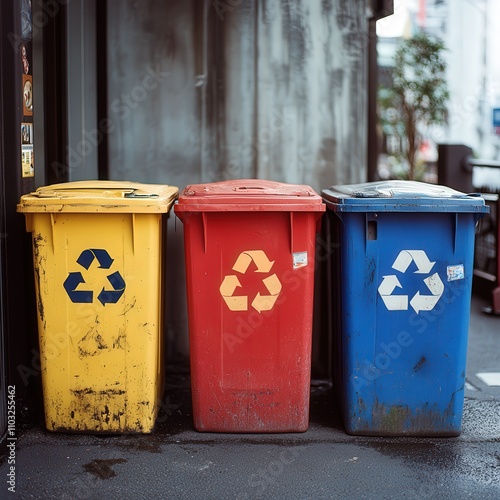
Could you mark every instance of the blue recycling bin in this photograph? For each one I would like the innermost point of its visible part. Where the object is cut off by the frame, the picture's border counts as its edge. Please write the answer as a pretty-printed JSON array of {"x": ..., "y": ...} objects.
[{"x": 401, "y": 280}]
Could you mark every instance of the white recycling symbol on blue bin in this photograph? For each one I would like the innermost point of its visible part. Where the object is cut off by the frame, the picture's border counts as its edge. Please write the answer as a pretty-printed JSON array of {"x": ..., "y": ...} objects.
[{"x": 419, "y": 302}]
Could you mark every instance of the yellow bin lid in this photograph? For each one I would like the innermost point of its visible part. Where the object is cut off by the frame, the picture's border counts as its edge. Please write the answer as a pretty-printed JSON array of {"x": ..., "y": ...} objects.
[{"x": 100, "y": 196}]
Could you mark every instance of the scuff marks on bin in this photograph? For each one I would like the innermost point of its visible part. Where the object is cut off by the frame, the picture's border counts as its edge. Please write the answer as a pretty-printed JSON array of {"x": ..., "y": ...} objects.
[
  {"x": 39, "y": 268},
  {"x": 371, "y": 270},
  {"x": 106, "y": 392},
  {"x": 39, "y": 301},
  {"x": 106, "y": 411},
  {"x": 129, "y": 306},
  {"x": 93, "y": 342},
  {"x": 119, "y": 342},
  {"x": 400, "y": 419},
  {"x": 255, "y": 410},
  {"x": 38, "y": 240},
  {"x": 420, "y": 363},
  {"x": 393, "y": 418},
  {"x": 104, "y": 415}
]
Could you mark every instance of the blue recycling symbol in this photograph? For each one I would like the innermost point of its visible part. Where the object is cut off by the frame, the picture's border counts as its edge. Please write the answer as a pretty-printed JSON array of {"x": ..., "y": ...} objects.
[{"x": 87, "y": 296}]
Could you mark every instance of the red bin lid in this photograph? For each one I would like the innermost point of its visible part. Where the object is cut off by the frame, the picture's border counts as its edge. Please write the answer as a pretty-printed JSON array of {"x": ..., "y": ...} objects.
[{"x": 244, "y": 195}]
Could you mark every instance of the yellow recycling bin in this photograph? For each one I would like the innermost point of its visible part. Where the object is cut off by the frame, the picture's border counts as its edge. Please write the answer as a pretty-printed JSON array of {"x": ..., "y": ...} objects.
[{"x": 97, "y": 251}]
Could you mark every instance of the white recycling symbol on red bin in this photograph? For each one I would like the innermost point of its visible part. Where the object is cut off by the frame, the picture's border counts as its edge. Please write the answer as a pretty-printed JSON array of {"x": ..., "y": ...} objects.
[{"x": 419, "y": 302}]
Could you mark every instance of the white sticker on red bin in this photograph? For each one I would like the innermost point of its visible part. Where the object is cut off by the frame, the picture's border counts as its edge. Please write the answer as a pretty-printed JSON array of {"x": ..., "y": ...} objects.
[{"x": 299, "y": 260}]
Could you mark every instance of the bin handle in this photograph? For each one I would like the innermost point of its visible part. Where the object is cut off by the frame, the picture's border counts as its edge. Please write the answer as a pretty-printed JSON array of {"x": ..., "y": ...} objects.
[
  {"x": 136, "y": 194},
  {"x": 265, "y": 188},
  {"x": 108, "y": 191}
]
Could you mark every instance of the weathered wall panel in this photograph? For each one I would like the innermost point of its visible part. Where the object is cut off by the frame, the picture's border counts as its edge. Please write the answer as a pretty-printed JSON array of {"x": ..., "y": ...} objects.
[
  {"x": 152, "y": 91},
  {"x": 311, "y": 67},
  {"x": 270, "y": 89}
]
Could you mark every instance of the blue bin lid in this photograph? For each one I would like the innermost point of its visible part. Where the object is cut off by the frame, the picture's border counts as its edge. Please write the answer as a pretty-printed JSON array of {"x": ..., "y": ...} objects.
[{"x": 401, "y": 196}]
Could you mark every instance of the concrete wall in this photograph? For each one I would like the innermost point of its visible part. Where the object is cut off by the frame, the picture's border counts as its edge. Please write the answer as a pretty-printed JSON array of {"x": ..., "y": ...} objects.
[{"x": 203, "y": 90}]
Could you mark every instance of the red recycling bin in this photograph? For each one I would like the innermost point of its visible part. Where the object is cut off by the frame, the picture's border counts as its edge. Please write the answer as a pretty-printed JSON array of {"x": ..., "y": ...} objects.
[{"x": 249, "y": 247}]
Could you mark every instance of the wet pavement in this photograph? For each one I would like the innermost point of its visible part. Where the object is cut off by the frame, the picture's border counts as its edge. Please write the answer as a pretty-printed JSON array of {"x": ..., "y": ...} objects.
[{"x": 178, "y": 462}]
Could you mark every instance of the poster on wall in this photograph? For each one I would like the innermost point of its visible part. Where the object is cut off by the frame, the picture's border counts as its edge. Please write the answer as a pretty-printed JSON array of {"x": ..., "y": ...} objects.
[
  {"x": 27, "y": 153},
  {"x": 27, "y": 95},
  {"x": 27, "y": 143}
]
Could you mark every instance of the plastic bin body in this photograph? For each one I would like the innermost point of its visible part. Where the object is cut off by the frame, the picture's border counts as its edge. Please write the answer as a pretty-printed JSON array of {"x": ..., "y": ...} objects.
[
  {"x": 401, "y": 300},
  {"x": 98, "y": 248},
  {"x": 250, "y": 249}
]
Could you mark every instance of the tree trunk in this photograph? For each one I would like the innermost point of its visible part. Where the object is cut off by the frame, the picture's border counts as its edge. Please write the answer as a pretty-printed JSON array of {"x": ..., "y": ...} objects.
[{"x": 411, "y": 134}]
